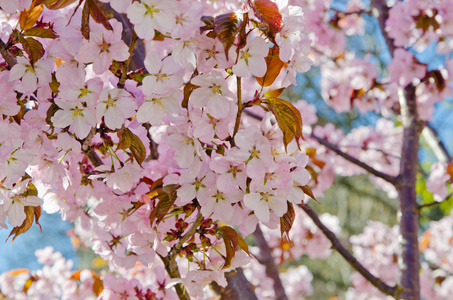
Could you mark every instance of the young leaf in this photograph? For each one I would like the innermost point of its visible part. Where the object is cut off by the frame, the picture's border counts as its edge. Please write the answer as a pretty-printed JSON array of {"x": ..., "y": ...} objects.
[
  {"x": 40, "y": 32},
  {"x": 286, "y": 222},
  {"x": 138, "y": 150},
  {"x": 129, "y": 140},
  {"x": 230, "y": 238},
  {"x": 85, "y": 27},
  {"x": 34, "y": 49},
  {"x": 166, "y": 201},
  {"x": 188, "y": 88},
  {"x": 226, "y": 28},
  {"x": 57, "y": 4},
  {"x": 274, "y": 93},
  {"x": 307, "y": 190},
  {"x": 98, "y": 15},
  {"x": 274, "y": 66},
  {"x": 125, "y": 138},
  {"x": 31, "y": 212},
  {"x": 267, "y": 12},
  {"x": 288, "y": 118},
  {"x": 28, "y": 17}
]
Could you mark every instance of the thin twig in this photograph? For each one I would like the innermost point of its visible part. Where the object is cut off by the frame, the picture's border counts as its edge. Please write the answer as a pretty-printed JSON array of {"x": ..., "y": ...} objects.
[
  {"x": 123, "y": 78},
  {"x": 434, "y": 203},
  {"x": 336, "y": 244},
  {"x": 366, "y": 167},
  {"x": 170, "y": 263}
]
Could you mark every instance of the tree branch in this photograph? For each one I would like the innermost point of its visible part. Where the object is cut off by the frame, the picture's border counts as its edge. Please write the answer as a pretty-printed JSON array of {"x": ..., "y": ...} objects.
[
  {"x": 366, "y": 167},
  {"x": 238, "y": 287},
  {"x": 449, "y": 196},
  {"x": 336, "y": 244},
  {"x": 382, "y": 13},
  {"x": 267, "y": 260},
  {"x": 170, "y": 262},
  {"x": 10, "y": 60}
]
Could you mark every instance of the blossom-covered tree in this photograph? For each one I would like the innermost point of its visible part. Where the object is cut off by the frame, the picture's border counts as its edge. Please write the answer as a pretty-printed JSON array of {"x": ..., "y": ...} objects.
[{"x": 163, "y": 131}]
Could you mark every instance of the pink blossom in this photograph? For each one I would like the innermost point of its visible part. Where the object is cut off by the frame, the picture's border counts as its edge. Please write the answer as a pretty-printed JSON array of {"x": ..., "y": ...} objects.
[
  {"x": 103, "y": 47},
  {"x": 251, "y": 58}
]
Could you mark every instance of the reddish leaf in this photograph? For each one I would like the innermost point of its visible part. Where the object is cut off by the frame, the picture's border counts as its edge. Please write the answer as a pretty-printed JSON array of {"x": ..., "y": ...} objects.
[
  {"x": 57, "y": 4},
  {"x": 226, "y": 28},
  {"x": 31, "y": 212},
  {"x": 274, "y": 66},
  {"x": 166, "y": 201},
  {"x": 288, "y": 118},
  {"x": 267, "y": 12},
  {"x": 307, "y": 190},
  {"x": 287, "y": 220},
  {"x": 243, "y": 245},
  {"x": 188, "y": 88},
  {"x": 34, "y": 49},
  {"x": 138, "y": 150},
  {"x": 28, "y": 17},
  {"x": 40, "y": 32},
  {"x": 98, "y": 15},
  {"x": 129, "y": 140},
  {"x": 230, "y": 238},
  {"x": 54, "y": 86},
  {"x": 125, "y": 138},
  {"x": 85, "y": 28}
]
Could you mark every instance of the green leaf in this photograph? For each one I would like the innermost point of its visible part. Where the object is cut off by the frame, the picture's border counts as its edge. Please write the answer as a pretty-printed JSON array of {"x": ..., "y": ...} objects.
[
  {"x": 40, "y": 32},
  {"x": 288, "y": 118},
  {"x": 287, "y": 220}
]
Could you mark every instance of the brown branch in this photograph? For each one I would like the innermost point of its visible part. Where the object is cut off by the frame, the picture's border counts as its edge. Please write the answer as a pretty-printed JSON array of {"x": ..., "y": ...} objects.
[
  {"x": 89, "y": 152},
  {"x": 382, "y": 14},
  {"x": 332, "y": 147},
  {"x": 7, "y": 56},
  {"x": 170, "y": 263},
  {"x": 123, "y": 78},
  {"x": 267, "y": 260},
  {"x": 336, "y": 244},
  {"x": 366, "y": 167},
  {"x": 238, "y": 287},
  {"x": 449, "y": 196},
  {"x": 173, "y": 272}
]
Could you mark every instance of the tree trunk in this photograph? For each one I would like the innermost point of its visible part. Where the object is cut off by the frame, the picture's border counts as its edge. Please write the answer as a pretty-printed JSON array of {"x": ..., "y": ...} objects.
[{"x": 409, "y": 259}]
